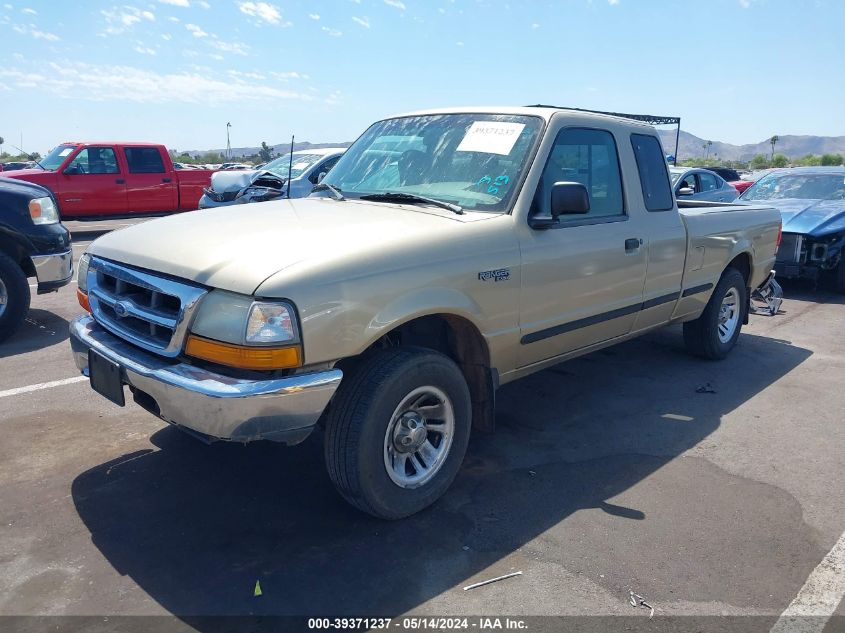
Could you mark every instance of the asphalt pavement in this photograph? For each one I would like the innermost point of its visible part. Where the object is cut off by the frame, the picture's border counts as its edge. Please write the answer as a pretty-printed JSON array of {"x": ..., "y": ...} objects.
[{"x": 708, "y": 488}]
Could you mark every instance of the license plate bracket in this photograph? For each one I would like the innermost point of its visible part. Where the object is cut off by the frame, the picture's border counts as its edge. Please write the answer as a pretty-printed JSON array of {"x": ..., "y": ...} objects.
[{"x": 105, "y": 377}]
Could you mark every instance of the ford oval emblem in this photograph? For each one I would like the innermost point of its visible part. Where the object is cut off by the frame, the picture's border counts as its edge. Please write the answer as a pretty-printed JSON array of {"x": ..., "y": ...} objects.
[{"x": 121, "y": 309}]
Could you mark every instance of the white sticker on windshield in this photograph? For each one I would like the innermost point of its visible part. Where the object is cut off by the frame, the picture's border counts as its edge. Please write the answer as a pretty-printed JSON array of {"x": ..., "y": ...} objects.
[
  {"x": 491, "y": 137},
  {"x": 300, "y": 165},
  {"x": 66, "y": 151}
]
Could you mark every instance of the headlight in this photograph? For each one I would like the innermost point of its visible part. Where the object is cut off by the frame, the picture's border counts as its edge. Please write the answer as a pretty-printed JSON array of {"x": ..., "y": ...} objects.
[
  {"x": 43, "y": 211},
  {"x": 238, "y": 331},
  {"x": 82, "y": 275}
]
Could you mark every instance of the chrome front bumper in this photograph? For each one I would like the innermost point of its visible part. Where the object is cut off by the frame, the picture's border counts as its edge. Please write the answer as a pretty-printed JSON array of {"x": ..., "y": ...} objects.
[
  {"x": 53, "y": 271},
  {"x": 216, "y": 406}
]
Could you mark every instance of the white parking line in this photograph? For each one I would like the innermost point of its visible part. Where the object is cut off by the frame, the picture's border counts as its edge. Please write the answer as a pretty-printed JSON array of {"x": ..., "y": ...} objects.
[
  {"x": 40, "y": 386},
  {"x": 819, "y": 597}
]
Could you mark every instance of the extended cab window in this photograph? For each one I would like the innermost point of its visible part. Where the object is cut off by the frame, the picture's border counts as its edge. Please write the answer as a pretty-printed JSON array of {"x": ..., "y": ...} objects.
[
  {"x": 144, "y": 160},
  {"x": 709, "y": 182},
  {"x": 588, "y": 157},
  {"x": 654, "y": 179},
  {"x": 94, "y": 160}
]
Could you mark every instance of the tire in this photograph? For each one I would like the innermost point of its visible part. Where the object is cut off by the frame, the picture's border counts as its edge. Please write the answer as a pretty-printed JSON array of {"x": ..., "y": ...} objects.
[
  {"x": 365, "y": 425},
  {"x": 14, "y": 296},
  {"x": 840, "y": 275},
  {"x": 703, "y": 337}
]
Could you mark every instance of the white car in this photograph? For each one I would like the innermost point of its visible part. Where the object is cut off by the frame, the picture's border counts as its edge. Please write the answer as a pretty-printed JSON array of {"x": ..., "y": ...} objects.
[{"x": 307, "y": 167}]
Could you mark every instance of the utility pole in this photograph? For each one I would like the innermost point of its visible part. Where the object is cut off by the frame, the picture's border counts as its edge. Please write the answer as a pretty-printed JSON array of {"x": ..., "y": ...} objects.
[{"x": 228, "y": 142}]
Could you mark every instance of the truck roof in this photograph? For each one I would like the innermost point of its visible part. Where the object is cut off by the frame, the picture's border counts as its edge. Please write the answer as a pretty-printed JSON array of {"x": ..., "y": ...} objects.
[
  {"x": 142, "y": 143},
  {"x": 546, "y": 112}
]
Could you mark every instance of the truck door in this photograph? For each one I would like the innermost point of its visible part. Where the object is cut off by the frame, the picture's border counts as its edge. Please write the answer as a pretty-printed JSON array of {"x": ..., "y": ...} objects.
[
  {"x": 667, "y": 235},
  {"x": 92, "y": 184},
  {"x": 150, "y": 188},
  {"x": 583, "y": 277}
]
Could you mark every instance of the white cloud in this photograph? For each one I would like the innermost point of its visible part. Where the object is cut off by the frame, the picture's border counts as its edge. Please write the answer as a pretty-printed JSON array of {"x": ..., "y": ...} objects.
[
  {"x": 8, "y": 7},
  {"x": 143, "y": 50},
  {"x": 332, "y": 32},
  {"x": 202, "y": 4},
  {"x": 166, "y": 37},
  {"x": 29, "y": 11},
  {"x": 395, "y": 3},
  {"x": 365, "y": 22},
  {"x": 122, "y": 19},
  {"x": 263, "y": 11},
  {"x": 93, "y": 82},
  {"x": 196, "y": 30},
  {"x": 32, "y": 31},
  {"x": 314, "y": 16},
  {"x": 177, "y": 3},
  {"x": 459, "y": 43},
  {"x": 229, "y": 47},
  {"x": 172, "y": 19},
  {"x": 291, "y": 74},
  {"x": 612, "y": 2}
]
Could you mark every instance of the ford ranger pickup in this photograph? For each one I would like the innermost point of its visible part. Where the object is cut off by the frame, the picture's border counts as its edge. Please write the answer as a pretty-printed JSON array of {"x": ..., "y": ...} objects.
[
  {"x": 116, "y": 179},
  {"x": 447, "y": 253}
]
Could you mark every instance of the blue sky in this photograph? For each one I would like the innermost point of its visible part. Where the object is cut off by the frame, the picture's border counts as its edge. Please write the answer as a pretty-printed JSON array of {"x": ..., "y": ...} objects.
[{"x": 176, "y": 71}]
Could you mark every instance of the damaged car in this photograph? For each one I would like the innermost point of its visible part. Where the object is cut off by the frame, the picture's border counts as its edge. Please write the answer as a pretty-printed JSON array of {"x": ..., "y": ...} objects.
[
  {"x": 812, "y": 203},
  {"x": 305, "y": 167}
]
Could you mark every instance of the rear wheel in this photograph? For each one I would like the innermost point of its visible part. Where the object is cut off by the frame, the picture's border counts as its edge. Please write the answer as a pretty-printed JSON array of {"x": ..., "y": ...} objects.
[
  {"x": 714, "y": 334},
  {"x": 14, "y": 296},
  {"x": 397, "y": 431}
]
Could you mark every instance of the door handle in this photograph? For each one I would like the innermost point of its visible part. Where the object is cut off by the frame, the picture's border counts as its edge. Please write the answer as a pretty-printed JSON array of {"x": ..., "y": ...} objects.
[
  {"x": 165, "y": 180},
  {"x": 632, "y": 244},
  {"x": 120, "y": 181}
]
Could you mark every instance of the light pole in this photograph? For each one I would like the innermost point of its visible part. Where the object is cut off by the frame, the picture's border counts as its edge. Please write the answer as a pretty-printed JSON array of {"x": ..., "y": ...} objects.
[{"x": 228, "y": 142}]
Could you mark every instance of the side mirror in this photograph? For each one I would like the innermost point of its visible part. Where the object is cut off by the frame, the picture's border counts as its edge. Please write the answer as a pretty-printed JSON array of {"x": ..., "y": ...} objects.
[
  {"x": 686, "y": 191},
  {"x": 569, "y": 198},
  {"x": 72, "y": 170},
  {"x": 320, "y": 176}
]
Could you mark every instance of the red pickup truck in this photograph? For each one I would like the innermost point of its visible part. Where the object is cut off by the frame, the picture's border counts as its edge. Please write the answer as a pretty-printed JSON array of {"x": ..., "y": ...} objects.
[{"x": 108, "y": 179}]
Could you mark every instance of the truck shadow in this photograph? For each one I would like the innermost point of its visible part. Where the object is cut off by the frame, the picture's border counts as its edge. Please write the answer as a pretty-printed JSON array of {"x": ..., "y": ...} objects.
[
  {"x": 196, "y": 526},
  {"x": 40, "y": 329}
]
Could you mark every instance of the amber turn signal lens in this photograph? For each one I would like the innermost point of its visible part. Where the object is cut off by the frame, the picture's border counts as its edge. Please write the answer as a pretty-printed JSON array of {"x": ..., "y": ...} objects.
[
  {"x": 244, "y": 357},
  {"x": 83, "y": 300}
]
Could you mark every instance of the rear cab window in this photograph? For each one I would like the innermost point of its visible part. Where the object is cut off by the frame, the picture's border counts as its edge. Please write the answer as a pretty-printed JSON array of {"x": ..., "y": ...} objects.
[
  {"x": 654, "y": 176},
  {"x": 144, "y": 160}
]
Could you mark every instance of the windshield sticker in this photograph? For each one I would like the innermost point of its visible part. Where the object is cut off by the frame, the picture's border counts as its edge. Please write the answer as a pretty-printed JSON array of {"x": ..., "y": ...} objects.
[
  {"x": 66, "y": 151},
  {"x": 491, "y": 137}
]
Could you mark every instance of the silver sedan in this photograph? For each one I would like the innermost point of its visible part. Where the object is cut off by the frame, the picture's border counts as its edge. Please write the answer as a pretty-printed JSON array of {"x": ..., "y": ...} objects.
[{"x": 701, "y": 184}]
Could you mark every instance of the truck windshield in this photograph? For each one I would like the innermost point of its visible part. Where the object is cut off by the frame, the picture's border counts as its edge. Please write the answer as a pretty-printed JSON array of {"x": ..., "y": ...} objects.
[
  {"x": 301, "y": 162},
  {"x": 56, "y": 157},
  {"x": 780, "y": 186},
  {"x": 472, "y": 160}
]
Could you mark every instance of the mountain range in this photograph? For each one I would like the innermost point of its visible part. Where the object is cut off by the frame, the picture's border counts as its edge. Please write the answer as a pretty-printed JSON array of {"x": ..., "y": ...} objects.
[
  {"x": 689, "y": 146},
  {"x": 793, "y": 146}
]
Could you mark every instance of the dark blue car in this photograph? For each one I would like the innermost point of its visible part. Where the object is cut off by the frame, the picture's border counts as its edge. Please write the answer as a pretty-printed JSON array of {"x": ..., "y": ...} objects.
[{"x": 811, "y": 201}]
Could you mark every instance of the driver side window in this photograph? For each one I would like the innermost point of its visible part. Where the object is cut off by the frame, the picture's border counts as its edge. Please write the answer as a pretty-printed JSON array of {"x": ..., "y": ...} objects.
[
  {"x": 589, "y": 157},
  {"x": 95, "y": 160}
]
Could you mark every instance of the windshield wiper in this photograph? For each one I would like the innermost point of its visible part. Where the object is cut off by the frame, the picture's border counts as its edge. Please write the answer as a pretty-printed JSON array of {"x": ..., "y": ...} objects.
[
  {"x": 398, "y": 196},
  {"x": 335, "y": 191}
]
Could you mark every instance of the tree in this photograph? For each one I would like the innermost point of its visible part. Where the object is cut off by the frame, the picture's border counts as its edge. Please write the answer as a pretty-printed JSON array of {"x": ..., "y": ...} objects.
[
  {"x": 774, "y": 141},
  {"x": 266, "y": 152},
  {"x": 759, "y": 162},
  {"x": 809, "y": 161},
  {"x": 831, "y": 159},
  {"x": 779, "y": 160},
  {"x": 2, "y": 140}
]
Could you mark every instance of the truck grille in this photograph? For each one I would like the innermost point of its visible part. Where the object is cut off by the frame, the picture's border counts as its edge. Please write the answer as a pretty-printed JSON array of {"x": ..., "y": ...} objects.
[
  {"x": 790, "y": 248},
  {"x": 148, "y": 310}
]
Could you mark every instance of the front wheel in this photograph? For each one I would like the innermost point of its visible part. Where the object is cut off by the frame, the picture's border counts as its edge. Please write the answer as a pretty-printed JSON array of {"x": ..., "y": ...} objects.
[
  {"x": 14, "y": 296},
  {"x": 714, "y": 334},
  {"x": 397, "y": 431}
]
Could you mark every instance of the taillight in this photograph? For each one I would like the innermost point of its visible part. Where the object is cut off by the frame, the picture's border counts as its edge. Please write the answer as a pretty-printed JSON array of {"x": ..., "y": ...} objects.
[{"x": 780, "y": 234}]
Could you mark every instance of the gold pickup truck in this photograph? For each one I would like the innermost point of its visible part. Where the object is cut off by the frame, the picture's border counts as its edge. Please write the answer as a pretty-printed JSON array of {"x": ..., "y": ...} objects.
[{"x": 447, "y": 253}]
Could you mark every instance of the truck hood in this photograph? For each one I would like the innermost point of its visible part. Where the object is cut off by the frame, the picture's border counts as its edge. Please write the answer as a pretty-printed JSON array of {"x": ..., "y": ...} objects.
[
  {"x": 237, "y": 248},
  {"x": 810, "y": 217}
]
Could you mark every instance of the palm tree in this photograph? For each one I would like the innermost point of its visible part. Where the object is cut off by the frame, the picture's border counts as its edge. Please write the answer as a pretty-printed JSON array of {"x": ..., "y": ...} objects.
[
  {"x": 707, "y": 149},
  {"x": 2, "y": 140},
  {"x": 774, "y": 141}
]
